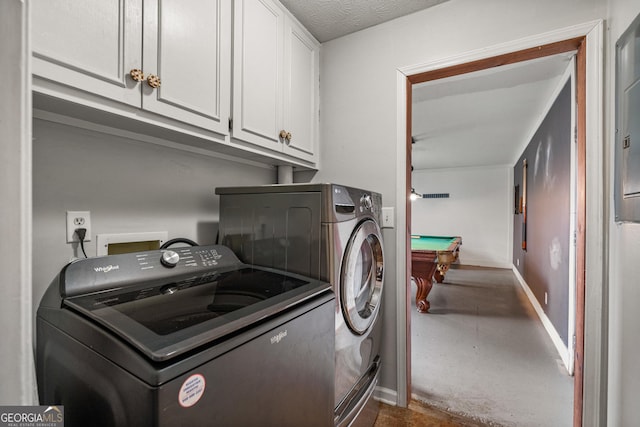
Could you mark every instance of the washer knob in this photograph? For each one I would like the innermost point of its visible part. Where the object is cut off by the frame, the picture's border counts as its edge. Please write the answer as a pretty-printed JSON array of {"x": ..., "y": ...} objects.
[{"x": 169, "y": 259}]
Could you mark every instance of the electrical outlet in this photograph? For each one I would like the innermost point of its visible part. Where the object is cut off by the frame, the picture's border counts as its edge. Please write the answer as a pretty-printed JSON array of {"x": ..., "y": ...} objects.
[{"x": 75, "y": 220}]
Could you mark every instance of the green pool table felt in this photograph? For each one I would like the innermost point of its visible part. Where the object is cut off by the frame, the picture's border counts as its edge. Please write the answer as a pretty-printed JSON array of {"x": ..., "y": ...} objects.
[{"x": 432, "y": 243}]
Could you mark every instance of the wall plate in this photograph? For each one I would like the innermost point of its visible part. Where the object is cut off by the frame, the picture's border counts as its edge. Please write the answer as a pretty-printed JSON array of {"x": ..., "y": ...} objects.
[
  {"x": 388, "y": 217},
  {"x": 104, "y": 240}
]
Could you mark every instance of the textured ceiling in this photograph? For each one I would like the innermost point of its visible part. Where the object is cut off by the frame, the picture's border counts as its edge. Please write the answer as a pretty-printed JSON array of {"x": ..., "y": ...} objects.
[
  {"x": 330, "y": 19},
  {"x": 483, "y": 118},
  {"x": 476, "y": 119}
]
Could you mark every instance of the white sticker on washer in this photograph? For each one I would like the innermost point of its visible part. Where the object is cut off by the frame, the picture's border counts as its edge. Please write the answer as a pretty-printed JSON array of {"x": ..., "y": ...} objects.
[{"x": 191, "y": 391}]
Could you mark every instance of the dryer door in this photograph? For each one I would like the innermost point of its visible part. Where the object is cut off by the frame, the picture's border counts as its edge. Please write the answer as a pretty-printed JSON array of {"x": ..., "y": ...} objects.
[{"x": 362, "y": 277}]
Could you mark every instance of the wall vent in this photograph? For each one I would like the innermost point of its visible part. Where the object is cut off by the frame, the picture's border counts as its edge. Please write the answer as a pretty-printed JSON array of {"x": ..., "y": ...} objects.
[{"x": 435, "y": 196}]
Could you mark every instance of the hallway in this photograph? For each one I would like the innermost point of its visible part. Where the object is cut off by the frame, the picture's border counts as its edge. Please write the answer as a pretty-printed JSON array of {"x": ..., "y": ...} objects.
[{"x": 483, "y": 352}]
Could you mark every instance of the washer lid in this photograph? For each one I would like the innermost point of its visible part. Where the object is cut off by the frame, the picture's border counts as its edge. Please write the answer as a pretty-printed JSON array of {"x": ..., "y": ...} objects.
[
  {"x": 362, "y": 277},
  {"x": 165, "y": 319}
]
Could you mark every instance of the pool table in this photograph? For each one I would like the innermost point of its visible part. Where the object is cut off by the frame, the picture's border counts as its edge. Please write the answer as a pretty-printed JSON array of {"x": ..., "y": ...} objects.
[{"x": 431, "y": 257}]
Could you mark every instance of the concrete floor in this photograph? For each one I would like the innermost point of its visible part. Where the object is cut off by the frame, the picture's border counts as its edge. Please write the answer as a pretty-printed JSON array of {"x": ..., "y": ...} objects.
[{"x": 482, "y": 352}]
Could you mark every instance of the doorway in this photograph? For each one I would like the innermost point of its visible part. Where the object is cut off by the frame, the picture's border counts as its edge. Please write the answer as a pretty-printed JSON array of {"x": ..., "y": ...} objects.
[{"x": 480, "y": 61}]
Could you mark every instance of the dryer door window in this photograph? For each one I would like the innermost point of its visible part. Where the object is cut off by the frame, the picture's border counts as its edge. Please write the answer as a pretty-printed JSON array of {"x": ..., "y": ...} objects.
[{"x": 362, "y": 277}]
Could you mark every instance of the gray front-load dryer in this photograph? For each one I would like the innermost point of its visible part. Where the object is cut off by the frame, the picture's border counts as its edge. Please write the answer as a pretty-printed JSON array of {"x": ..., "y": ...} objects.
[{"x": 330, "y": 232}]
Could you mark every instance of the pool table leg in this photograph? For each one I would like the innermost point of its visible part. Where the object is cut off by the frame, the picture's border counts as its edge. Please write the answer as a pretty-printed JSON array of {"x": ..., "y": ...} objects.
[
  {"x": 422, "y": 270},
  {"x": 424, "y": 287}
]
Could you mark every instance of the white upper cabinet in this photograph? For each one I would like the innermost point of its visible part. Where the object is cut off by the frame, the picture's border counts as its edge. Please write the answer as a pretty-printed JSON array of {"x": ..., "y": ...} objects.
[
  {"x": 187, "y": 44},
  {"x": 302, "y": 80},
  {"x": 258, "y": 67},
  {"x": 90, "y": 45},
  {"x": 275, "y": 85},
  {"x": 166, "y": 65},
  {"x": 184, "y": 62}
]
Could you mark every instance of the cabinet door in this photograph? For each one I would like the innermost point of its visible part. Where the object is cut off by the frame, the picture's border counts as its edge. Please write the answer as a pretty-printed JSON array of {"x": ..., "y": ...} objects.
[
  {"x": 300, "y": 92},
  {"x": 90, "y": 45},
  {"x": 188, "y": 45},
  {"x": 257, "y": 83}
]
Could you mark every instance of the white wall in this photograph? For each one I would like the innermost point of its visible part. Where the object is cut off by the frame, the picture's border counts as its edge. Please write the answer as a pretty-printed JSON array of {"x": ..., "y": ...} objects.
[
  {"x": 128, "y": 186},
  {"x": 624, "y": 268},
  {"x": 358, "y": 97},
  {"x": 479, "y": 209}
]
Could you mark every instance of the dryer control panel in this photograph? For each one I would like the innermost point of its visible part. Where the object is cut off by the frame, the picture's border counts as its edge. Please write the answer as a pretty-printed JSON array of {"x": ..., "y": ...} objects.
[{"x": 351, "y": 203}]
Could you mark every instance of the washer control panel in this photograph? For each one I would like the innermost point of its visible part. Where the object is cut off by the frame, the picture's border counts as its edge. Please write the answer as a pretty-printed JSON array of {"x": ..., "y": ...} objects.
[{"x": 95, "y": 274}]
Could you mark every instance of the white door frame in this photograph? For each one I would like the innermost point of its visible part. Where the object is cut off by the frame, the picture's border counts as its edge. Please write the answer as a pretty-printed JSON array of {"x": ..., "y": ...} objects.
[
  {"x": 595, "y": 379},
  {"x": 17, "y": 370}
]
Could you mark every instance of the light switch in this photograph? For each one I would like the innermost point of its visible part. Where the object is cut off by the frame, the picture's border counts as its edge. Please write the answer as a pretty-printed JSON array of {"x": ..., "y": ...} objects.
[{"x": 388, "y": 217}]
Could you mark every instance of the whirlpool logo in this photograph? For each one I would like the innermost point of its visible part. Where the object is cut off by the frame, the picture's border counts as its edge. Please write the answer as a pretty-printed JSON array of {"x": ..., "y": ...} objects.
[
  {"x": 106, "y": 268},
  {"x": 277, "y": 338}
]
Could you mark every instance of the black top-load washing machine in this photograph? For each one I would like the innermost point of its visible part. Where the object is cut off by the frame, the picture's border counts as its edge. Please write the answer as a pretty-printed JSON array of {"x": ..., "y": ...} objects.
[{"x": 185, "y": 337}]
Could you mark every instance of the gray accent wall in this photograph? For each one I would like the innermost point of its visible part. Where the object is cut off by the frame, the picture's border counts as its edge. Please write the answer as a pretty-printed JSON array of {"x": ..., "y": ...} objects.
[{"x": 545, "y": 263}]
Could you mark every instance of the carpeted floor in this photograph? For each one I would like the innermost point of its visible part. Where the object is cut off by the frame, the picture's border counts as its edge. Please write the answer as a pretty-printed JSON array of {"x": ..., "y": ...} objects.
[{"x": 421, "y": 415}]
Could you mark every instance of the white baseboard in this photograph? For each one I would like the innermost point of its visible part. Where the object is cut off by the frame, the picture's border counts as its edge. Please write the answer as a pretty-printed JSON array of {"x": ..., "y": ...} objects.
[
  {"x": 562, "y": 349},
  {"x": 386, "y": 395}
]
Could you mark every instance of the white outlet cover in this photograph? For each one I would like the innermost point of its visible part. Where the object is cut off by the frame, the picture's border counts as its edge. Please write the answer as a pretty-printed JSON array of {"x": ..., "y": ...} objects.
[
  {"x": 388, "y": 217},
  {"x": 73, "y": 218}
]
